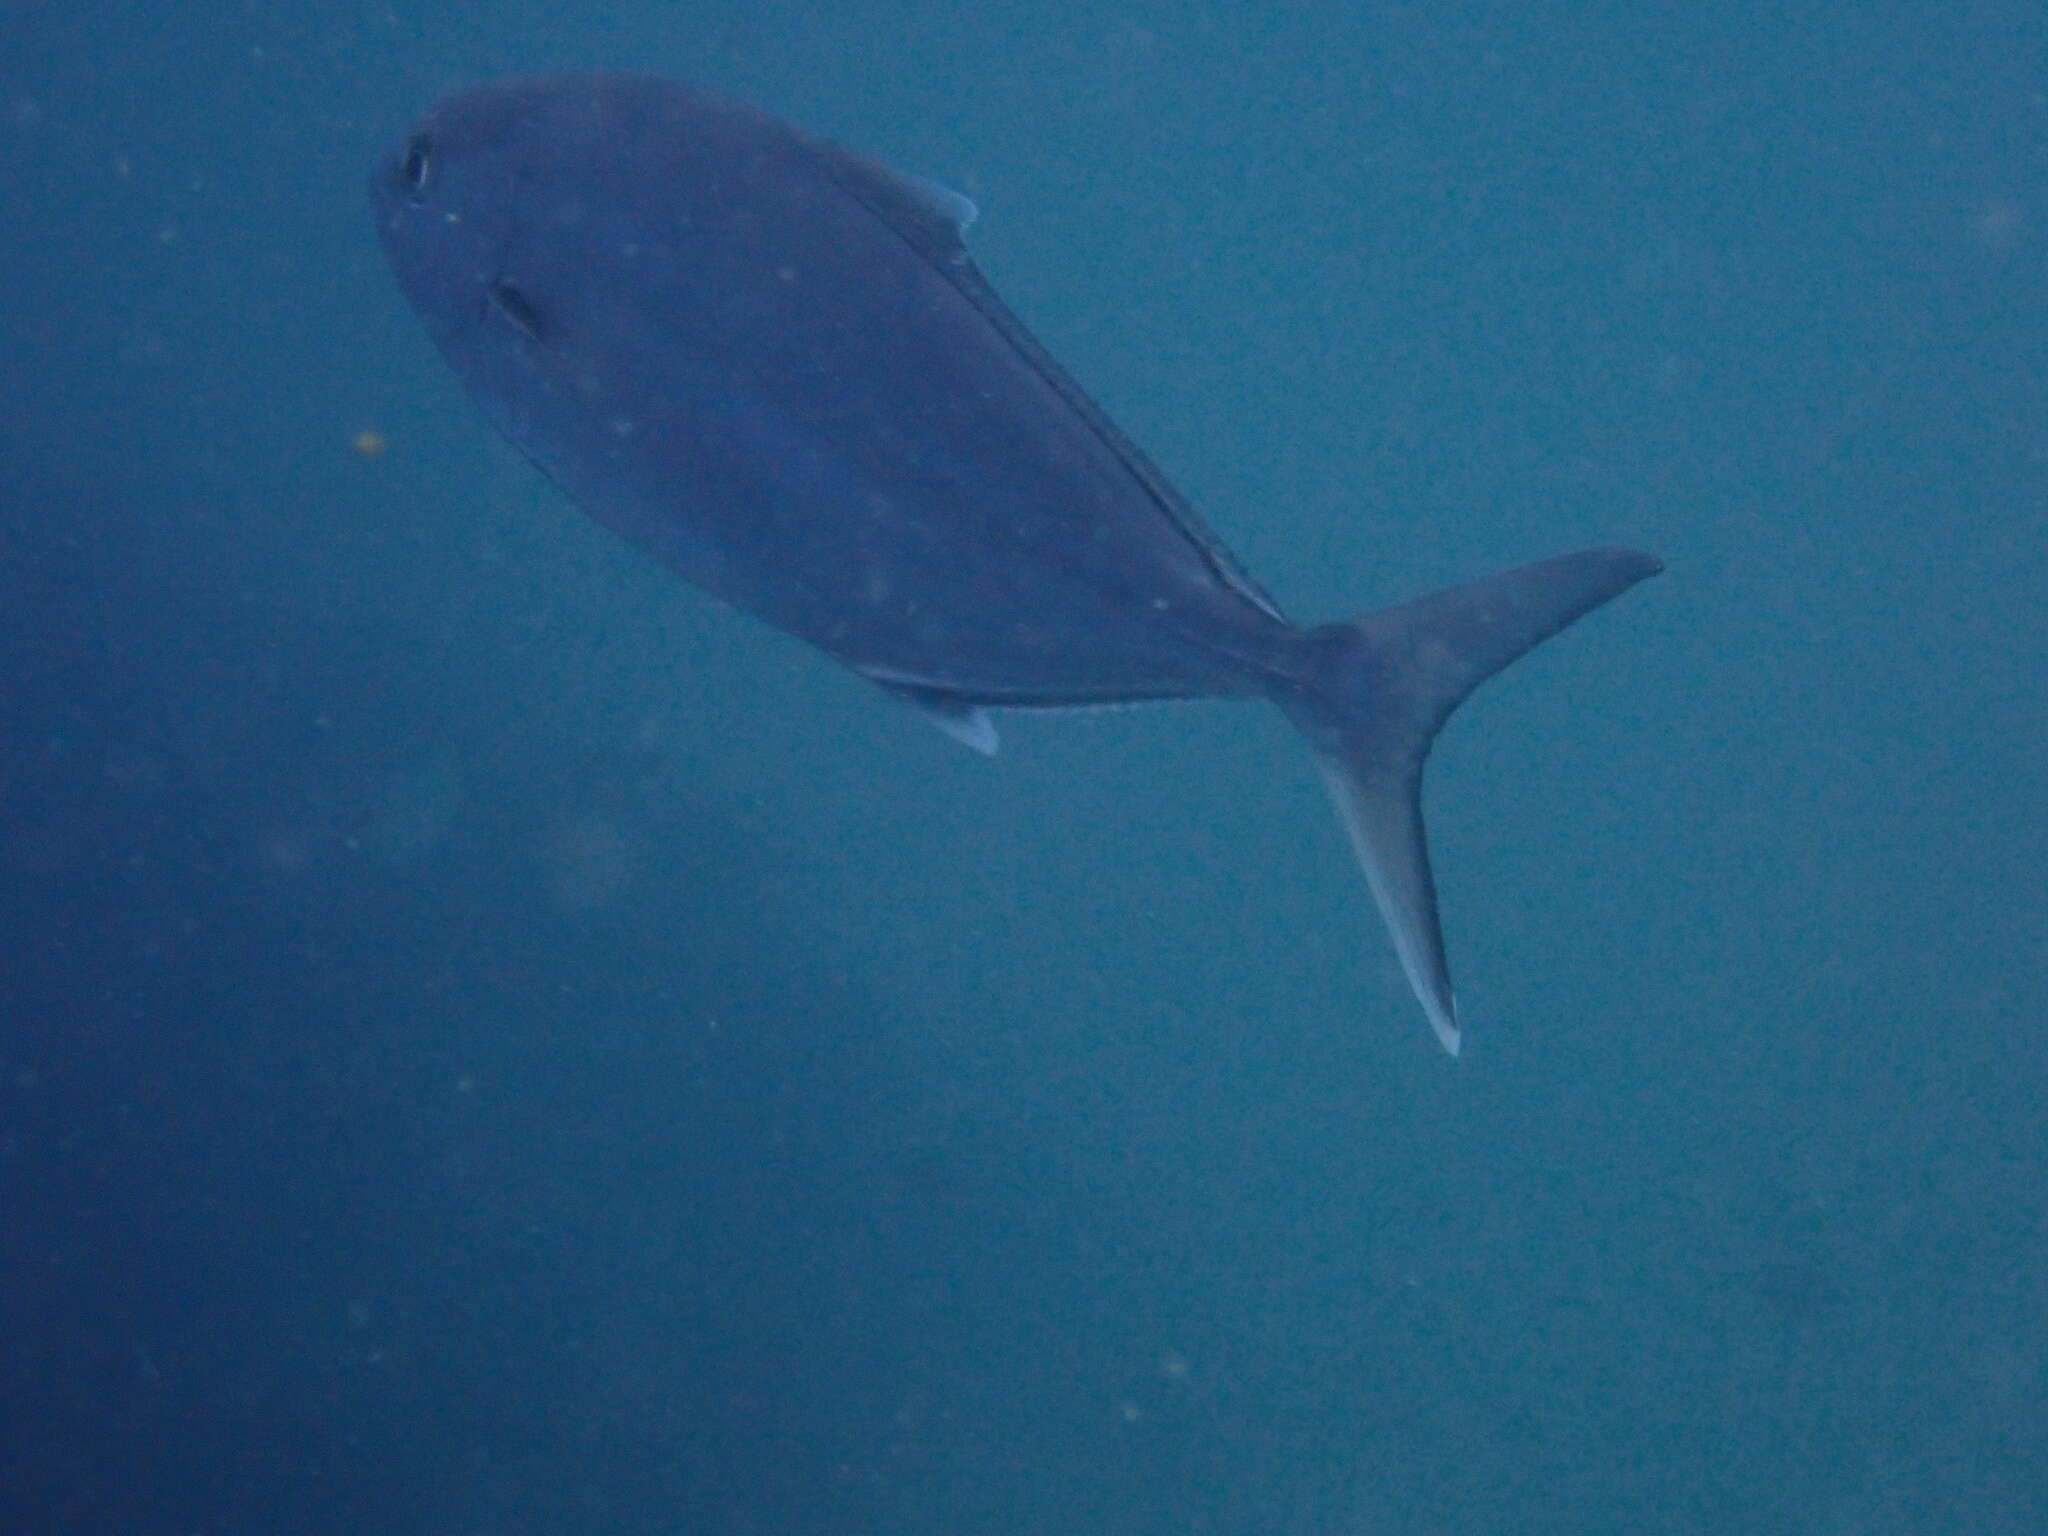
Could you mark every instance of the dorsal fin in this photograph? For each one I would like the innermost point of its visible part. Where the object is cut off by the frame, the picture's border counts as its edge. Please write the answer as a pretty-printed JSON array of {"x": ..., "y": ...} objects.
[
  {"x": 931, "y": 219},
  {"x": 953, "y": 208},
  {"x": 931, "y": 216}
]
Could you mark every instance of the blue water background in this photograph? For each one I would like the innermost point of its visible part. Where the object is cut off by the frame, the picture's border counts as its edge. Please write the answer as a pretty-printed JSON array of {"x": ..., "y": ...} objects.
[{"x": 493, "y": 1043}]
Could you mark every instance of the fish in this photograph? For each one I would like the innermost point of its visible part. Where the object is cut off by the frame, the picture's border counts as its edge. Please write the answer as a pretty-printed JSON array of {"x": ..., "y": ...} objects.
[{"x": 771, "y": 363}]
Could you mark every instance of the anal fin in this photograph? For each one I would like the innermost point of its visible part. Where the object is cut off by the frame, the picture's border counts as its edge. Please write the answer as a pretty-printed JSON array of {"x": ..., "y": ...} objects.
[{"x": 968, "y": 724}]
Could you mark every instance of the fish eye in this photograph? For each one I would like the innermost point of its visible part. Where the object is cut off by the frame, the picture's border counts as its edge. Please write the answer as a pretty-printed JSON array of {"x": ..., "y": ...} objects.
[{"x": 416, "y": 167}]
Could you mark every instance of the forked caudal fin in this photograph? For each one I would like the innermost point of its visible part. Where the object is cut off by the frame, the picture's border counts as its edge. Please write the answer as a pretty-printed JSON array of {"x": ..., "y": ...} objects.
[{"x": 1381, "y": 687}]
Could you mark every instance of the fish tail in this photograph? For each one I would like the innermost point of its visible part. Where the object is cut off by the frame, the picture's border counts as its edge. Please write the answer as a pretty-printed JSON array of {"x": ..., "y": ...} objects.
[{"x": 1377, "y": 690}]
